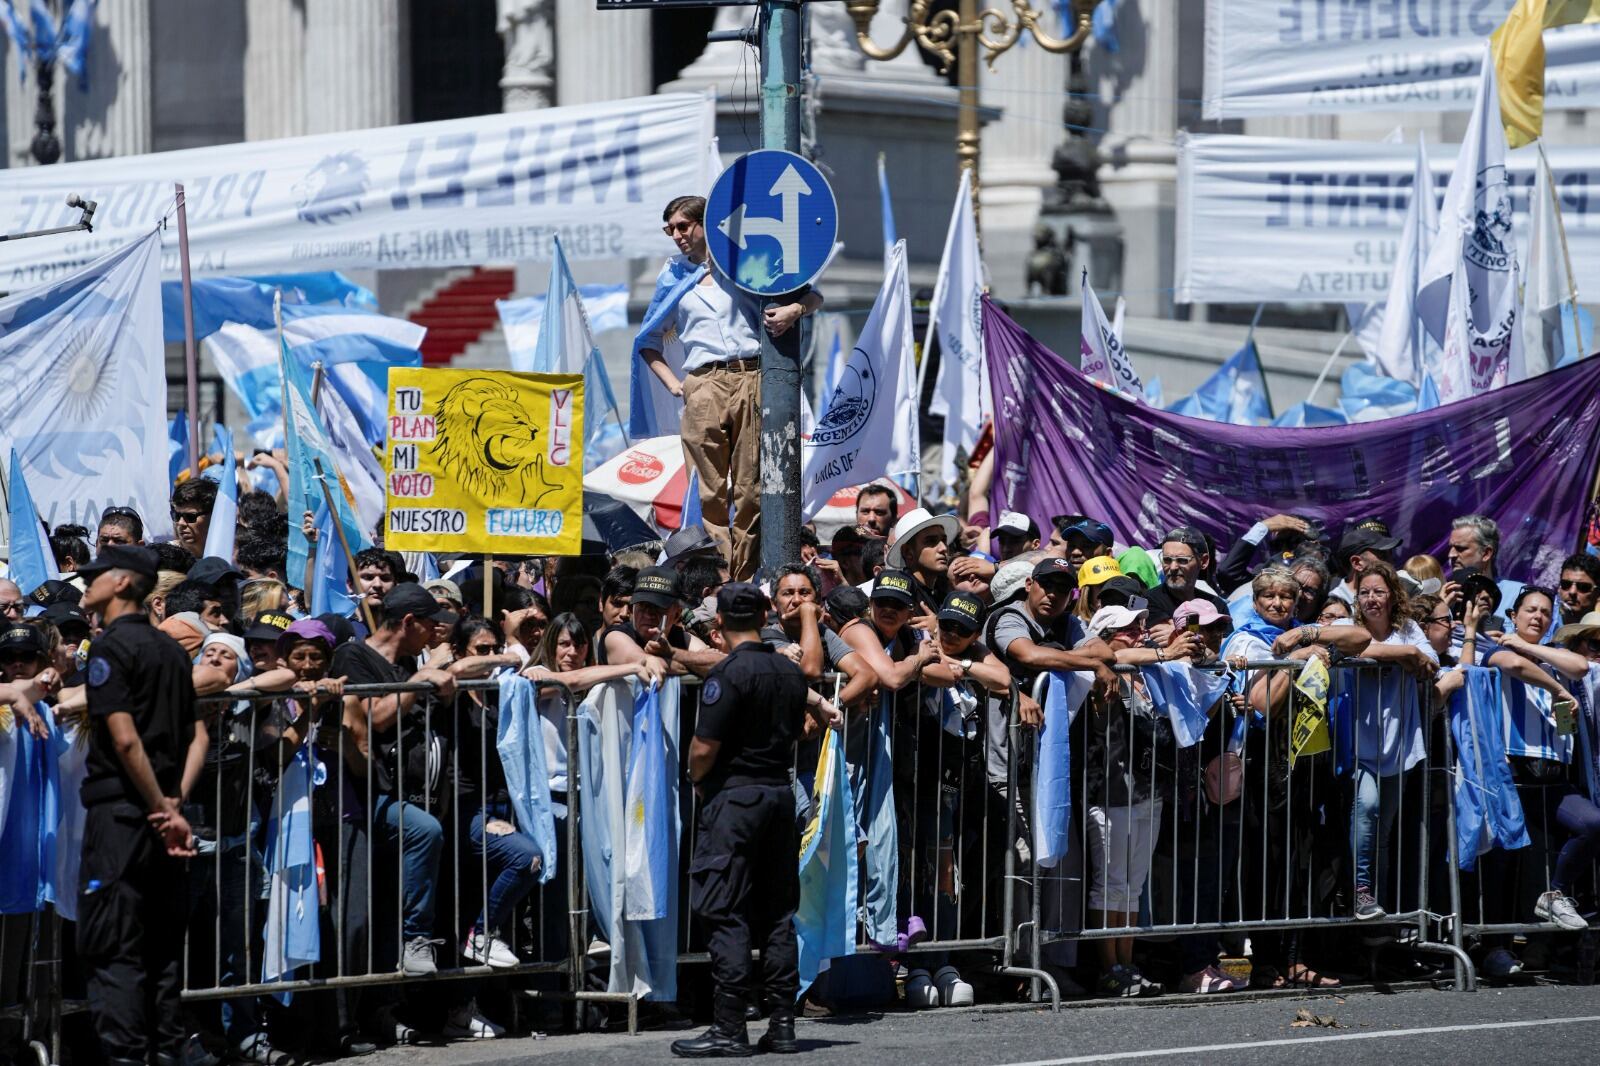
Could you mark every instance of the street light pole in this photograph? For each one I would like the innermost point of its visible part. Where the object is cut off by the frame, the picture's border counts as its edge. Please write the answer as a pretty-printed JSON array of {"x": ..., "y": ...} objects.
[{"x": 955, "y": 37}]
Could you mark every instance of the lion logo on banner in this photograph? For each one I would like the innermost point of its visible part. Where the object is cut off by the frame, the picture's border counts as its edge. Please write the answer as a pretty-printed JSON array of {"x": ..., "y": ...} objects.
[
  {"x": 489, "y": 446},
  {"x": 331, "y": 191}
]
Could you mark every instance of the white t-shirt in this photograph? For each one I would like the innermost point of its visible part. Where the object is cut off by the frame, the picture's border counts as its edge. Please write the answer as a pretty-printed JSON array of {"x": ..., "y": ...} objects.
[{"x": 1388, "y": 733}]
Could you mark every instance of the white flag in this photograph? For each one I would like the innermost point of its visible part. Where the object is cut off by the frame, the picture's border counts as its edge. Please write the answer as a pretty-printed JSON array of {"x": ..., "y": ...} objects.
[
  {"x": 960, "y": 395},
  {"x": 1100, "y": 345},
  {"x": 1475, "y": 239},
  {"x": 1119, "y": 316},
  {"x": 1468, "y": 364},
  {"x": 1401, "y": 348},
  {"x": 1549, "y": 282},
  {"x": 868, "y": 427}
]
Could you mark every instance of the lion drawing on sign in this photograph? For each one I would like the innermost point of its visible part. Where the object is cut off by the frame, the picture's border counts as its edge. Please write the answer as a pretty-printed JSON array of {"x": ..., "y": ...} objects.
[{"x": 488, "y": 445}]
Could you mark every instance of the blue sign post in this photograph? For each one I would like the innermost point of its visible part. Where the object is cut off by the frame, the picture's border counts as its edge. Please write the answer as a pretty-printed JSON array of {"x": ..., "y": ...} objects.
[{"x": 771, "y": 222}]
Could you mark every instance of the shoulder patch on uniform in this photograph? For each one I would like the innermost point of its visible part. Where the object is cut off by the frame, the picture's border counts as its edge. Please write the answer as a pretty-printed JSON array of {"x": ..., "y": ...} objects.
[
  {"x": 99, "y": 671},
  {"x": 712, "y": 691}
]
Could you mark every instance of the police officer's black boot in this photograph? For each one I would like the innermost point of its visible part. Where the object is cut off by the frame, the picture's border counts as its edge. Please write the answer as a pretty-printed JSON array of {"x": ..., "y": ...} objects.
[
  {"x": 726, "y": 1039},
  {"x": 779, "y": 1038}
]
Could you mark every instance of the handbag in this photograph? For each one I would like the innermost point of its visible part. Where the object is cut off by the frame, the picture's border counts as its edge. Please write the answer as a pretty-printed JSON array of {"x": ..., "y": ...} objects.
[{"x": 1224, "y": 778}]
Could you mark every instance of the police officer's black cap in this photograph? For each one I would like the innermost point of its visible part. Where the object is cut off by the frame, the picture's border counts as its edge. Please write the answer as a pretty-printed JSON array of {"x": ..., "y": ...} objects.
[
  {"x": 55, "y": 591},
  {"x": 740, "y": 599},
  {"x": 962, "y": 609},
  {"x": 416, "y": 601},
  {"x": 268, "y": 625},
  {"x": 134, "y": 558},
  {"x": 894, "y": 586},
  {"x": 23, "y": 638},
  {"x": 212, "y": 570},
  {"x": 343, "y": 632},
  {"x": 64, "y": 615},
  {"x": 657, "y": 586}
]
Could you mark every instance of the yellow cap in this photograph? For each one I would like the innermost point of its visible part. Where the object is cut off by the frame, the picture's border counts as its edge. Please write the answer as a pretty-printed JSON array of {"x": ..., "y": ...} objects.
[{"x": 1100, "y": 569}]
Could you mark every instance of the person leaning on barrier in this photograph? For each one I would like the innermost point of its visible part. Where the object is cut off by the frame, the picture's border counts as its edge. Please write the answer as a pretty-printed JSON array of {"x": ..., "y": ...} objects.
[
  {"x": 375, "y": 724},
  {"x": 816, "y": 649},
  {"x": 1271, "y": 634},
  {"x": 653, "y": 628},
  {"x": 145, "y": 741},
  {"x": 744, "y": 884},
  {"x": 1036, "y": 633},
  {"x": 1185, "y": 561}
]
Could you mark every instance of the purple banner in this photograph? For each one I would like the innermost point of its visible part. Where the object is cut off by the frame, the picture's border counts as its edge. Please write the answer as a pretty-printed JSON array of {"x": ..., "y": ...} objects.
[{"x": 1524, "y": 455}]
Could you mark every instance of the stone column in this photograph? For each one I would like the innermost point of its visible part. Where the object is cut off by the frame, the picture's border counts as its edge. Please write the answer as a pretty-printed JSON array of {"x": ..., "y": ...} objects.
[
  {"x": 528, "y": 28},
  {"x": 113, "y": 117},
  {"x": 599, "y": 55},
  {"x": 274, "y": 69},
  {"x": 1016, "y": 156},
  {"x": 357, "y": 74}
]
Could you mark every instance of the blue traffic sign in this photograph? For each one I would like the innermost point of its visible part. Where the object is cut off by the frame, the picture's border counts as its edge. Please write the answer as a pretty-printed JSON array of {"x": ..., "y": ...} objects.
[{"x": 771, "y": 221}]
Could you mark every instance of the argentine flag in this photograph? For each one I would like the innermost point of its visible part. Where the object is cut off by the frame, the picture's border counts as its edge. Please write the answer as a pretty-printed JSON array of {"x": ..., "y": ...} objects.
[
  {"x": 824, "y": 923},
  {"x": 1052, "y": 782},
  {"x": 648, "y": 871}
]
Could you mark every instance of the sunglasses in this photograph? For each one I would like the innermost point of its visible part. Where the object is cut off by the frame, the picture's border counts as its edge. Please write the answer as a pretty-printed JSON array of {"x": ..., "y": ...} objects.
[
  {"x": 1584, "y": 587},
  {"x": 189, "y": 518},
  {"x": 953, "y": 629},
  {"x": 18, "y": 606},
  {"x": 1177, "y": 560},
  {"x": 673, "y": 228},
  {"x": 118, "y": 512}
]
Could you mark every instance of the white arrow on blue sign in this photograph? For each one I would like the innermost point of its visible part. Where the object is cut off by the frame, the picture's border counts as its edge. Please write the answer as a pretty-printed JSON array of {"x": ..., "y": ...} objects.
[{"x": 771, "y": 221}]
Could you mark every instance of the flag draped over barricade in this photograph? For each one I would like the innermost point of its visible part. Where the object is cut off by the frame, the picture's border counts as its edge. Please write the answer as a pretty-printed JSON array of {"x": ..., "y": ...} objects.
[
  {"x": 519, "y": 745},
  {"x": 1052, "y": 774},
  {"x": 1488, "y": 809},
  {"x": 1525, "y": 453},
  {"x": 825, "y": 921}
]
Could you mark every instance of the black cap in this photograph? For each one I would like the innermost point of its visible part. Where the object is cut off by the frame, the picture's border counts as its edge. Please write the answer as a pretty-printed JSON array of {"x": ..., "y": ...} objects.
[
  {"x": 1092, "y": 530},
  {"x": 1054, "y": 568},
  {"x": 24, "y": 638},
  {"x": 55, "y": 591},
  {"x": 845, "y": 602},
  {"x": 895, "y": 586},
  {"x": 212, "y": 569},
  {"x": 268, "y": 625},
  {"x": 62, "y": 615},
  {"x": 1359, "y": 539},
  {"x": 657, "y": 586},
  {"x": 133, "y": 558},
  {"x": 1474, "y": 581},
  {"x": 341, "y": 628},
  {"x": 741, "y": 599},
  {"x": 689, "y": 540},
  {"x": 962, "y": 609},
  {"x": 416, "y": 601},
  {"x": 1122, "y": 591}
]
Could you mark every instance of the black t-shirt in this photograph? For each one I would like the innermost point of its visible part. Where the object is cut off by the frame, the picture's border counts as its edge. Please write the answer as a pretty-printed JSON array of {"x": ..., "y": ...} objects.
[
  {"x": 753, "y": 701},
  {"x": 676, "y": 637},
  {"x": 1163, "y": 603},
  {"x": 136, "y": 668},
  {"x": 360, "y": 664},
  {"x": 472, "y": 730}
]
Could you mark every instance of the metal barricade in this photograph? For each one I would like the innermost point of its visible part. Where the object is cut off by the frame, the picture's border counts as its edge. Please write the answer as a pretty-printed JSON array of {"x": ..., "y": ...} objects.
[{"x": 1227, "y": 834}]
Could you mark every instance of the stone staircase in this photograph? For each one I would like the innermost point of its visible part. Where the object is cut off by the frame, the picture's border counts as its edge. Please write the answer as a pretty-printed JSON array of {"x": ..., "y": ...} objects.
[{"x": 461, "y": 311}]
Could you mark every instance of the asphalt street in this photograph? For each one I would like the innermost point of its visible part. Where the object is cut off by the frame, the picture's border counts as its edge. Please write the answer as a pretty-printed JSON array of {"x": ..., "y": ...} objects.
[{"x": 1546, "y": 1024}]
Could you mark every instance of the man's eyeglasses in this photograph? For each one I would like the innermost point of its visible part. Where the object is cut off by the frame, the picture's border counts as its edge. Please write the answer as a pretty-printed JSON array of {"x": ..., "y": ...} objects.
[
  {"x": 1177, "y": 560},
  {"x": 674, "y": 228},
  {"x": 1584, "y": 587},
  {"x": 189, "y": 518}
]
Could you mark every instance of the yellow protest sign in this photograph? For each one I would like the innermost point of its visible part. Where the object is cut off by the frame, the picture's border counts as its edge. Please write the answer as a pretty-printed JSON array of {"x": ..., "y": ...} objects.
[
  {"x": 484, "y": 461},
  {"x": 1310, "y": 734}
]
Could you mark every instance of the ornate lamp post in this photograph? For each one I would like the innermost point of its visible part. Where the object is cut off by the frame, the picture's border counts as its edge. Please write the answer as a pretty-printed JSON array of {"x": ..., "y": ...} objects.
[{"x": 955, "y": 37}]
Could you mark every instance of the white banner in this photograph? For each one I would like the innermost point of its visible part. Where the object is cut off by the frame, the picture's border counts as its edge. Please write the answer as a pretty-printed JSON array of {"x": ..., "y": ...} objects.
[
  {"x": 1304, "y": 57},
  {"x": 490, "y": 189},
  {"x": 1271, "y": 218}
]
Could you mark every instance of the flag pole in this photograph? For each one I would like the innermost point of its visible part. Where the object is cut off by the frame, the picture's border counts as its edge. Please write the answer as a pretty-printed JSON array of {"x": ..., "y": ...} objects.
[
  {"x": 344, "y": 543},
  {"x": 1250, "y": 338},
  {"x": 191, "y": 362},
  {"x": 488, "y": 588},
  {"x": 1326, "y": 367}
]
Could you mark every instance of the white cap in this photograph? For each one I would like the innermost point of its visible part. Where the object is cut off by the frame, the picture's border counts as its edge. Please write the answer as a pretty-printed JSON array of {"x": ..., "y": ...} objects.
[{"x": 1116, "y": 617}]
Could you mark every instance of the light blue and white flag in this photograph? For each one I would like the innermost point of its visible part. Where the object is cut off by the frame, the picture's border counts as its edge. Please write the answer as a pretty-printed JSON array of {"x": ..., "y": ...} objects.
[
  {"x": 225, "y": 508},
  {"x": 825, "y": 921},
  {"x": 248, "y": 301},
  {"x": 32, "y": 561},
  {"x": 1306, "y": 415},
  {"x": 40, "y": 40},
  {"x": 647, "y": 873},
  {"x": 652, "y": 410},
  {"x": 1488, "y": 810},
  {"x": 293, "y": 934},
  {"x": 308, "y": 446},
  {"x": 83, "y": 389},
  {"x": 32, "y": 809},
  {"x": 872, "y": 789},
  {"x": 1367, "y": 396},
  {"x": 1530, "y": 722},
  {"x": 691, "y": 513},
  {"x": 1052, "y": 780},
  {"x": 868, "y": 427},
  {"x": 955, "y": 317},
  {"x": 1186, "y": 695},
  {"x": 329, "y": 586},
  {"x": 605, "y": 305},
  {"x": 519, "y": 743},
  {"x": 1235, "y": 394},
  {"x": 1428, "y": 398},
  {"x": 886, "y": 210}
]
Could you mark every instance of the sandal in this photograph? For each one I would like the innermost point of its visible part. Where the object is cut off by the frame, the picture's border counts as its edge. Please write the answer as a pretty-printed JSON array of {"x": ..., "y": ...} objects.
[
  {"x": 1309, "y": 978},
  {"x": 1208, "y": 981}
]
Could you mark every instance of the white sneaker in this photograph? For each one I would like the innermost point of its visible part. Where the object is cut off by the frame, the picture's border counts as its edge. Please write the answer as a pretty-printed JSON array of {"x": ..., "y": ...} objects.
[
  {"x": 465, "y": 1023},
  {"x": 489, "y": 950},
  {"x": 920, "y": 992},
  {"x": 1558, "y": 908},
  {"x": 953, "y": 991}
]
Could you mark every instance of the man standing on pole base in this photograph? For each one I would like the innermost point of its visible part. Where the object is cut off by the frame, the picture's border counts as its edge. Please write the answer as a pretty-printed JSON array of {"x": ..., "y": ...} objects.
[
  {"x": 744, "y": 877},
  {"x": 145, "y": 742}
]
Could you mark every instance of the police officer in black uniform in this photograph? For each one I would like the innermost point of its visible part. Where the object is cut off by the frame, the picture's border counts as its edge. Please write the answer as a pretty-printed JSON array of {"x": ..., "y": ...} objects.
[
  {"x": 144, "y": 735},
  {"x": 744, "y": 879}
]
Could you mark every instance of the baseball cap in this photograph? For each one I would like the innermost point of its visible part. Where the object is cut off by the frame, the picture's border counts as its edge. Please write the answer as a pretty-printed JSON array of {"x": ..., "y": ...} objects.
[
  {"x": 134, "y": 558},
  {"x": 1362, "y": 538},
  {"x": 1015, "y": 524},
  {"x": 212, "y": 569},
  {"x": 1474, "y": 581},
  {"x": 338, "y": 625},
  {"x": 1187, "y": 535},
  {"x": 58, "y": 591},
  {"x": 1199, "y": 610},
  {"x": 62, "y": 615},
  {"x": 1108, "y": 618},
  {"x": 895, "y": 586},
  {"x": 306, "y": 629},
  {"x": 1097, "y": 571},
  {"x": 23, "y": 638},
  {"x": 963, "y": 610},
  {"x": 416, "y": 601},
  {"x": 1095, "y": 532},
  {"x": 1125, "y": 591},
  {"x": 689, "y": 540},
  {"x": 845, "y": 602},
  {"x": 740, "y": 598},
  {"x": 445, "y": 587},
  {"x": 1053, "y": 567},
  {"x": 657, "y": 586},
  {"x": 268, "y": 625}
]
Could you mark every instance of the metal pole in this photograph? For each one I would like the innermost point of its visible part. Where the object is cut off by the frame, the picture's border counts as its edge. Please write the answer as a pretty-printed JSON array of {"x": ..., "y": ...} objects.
[
  {"x": 780, "y": 356},
  {"x": 191, "y": 367},
  {"x": 969, "y": 130}
]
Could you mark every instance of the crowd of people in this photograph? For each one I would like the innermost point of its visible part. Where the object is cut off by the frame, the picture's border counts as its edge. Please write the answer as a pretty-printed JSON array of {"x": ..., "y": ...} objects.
[{"x": 926, "y": 630}]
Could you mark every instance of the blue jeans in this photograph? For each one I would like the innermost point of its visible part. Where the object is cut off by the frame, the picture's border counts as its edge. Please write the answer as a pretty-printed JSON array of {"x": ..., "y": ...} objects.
[
  {"x": 419, "y": 859},
  {"x": 511, "y": 863},
  {"x": 1377, "y": 801}
]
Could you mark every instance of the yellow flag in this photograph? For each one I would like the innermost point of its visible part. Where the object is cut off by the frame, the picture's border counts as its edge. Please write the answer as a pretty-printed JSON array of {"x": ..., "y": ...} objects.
[
  {"x": 1309, "y": 735},
  {"x": 1518, "y": 50}
]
